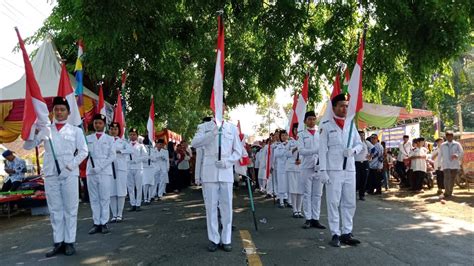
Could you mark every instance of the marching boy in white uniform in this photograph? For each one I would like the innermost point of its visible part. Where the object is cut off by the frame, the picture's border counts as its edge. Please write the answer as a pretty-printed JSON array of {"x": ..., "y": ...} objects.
[
  {"x": 149, "y": 172},
  {"x": 62, "y": 191},
  {"x": 135, "y": 170},
  {"x": 99, "y": 174},
  {"x": 162, "y": 165},
  {"x": 340, "y": 182},
  {"x": 118, "y": 190},
  {"x": 308, "y": 146},
  {"x": 217, "y": 178}
]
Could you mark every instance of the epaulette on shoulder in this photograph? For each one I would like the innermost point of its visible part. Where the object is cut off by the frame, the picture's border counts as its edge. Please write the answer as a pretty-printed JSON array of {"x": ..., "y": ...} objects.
[{"x": 324, "y": 122}]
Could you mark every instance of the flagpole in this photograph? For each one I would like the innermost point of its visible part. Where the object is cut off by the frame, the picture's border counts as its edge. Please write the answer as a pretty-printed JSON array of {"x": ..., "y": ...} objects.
[
  {"x": 50, "y": 141},
  {"x": 252, "y": 205},
  {"x": 349, "y": 137},
  {"x": 38, "y": 168}
]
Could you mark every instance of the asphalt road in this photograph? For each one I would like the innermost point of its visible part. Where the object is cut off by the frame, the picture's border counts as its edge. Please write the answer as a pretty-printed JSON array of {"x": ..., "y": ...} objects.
[{"x": 173, "y": 232}]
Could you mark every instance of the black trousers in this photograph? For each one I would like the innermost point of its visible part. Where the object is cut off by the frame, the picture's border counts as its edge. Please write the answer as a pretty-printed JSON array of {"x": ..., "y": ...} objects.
[
  {"x": 440, "y": 179},
  {"x": 418, "y": 177},
  {"x": 400, "y": 168},
  {"x": 11, "y": 186},
  {"x": 362, "y": 171},
  {"x": 374, "y": 183}
]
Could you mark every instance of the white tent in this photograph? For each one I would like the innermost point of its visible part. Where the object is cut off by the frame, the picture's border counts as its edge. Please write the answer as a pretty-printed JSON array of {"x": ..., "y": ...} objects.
[{"x": 47, "y": 69}]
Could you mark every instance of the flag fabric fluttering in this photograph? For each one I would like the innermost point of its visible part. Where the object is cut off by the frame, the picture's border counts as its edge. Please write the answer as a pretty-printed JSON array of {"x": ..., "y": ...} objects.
[
  {"x": 65, "y": 90},
  {"x": 245, "y": 160},
  {"x": 292, "y": 118},
  {"x": 79, "y": 75},
  {"x": 35, "y": 113},
  {"x": 336, "y": 87},
  {"x": 269, "y": 160},
  {"x": 302, "y": 103},
  {"x": 150, "y": 125},
  {"x": 118, "y": 114},
  {"x": 217, "y": 95},
  {"x": 101, "y": 104},
  {"x": 355, "y": 96},
  {"x": 124, "y": 103}
]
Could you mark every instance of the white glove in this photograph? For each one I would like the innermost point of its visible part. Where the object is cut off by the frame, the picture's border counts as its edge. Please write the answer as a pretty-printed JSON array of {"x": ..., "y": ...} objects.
[
  {"x": 221, "y": 164},
  {"x": 65, "y": 172},
  {"x": 198, "y": 182},
  {"x": 316, "y": 176},
  {"x": 44, "y": 134},
  {"x": 324, "y": 177},
  {"x": 349, "y": 152}
]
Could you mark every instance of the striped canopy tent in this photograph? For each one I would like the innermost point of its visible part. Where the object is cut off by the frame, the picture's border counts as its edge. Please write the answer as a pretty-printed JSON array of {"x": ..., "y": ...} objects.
[
  {"x": 385, "y": 116},
  {"x": 168, "y": 136},
  {"x": 47, "y": 69}
]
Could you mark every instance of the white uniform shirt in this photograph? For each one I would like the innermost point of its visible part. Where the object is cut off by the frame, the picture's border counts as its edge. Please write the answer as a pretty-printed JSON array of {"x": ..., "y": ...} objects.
[
  {"x": 123, "y": 150},
  {"x": 162, "y": 160},
  {"x": 136, "y": 159},
  {"x": 447, "y": 150},
  {"x": 292, "y": 156},
  {"x": 231, "y": 151},
  {"x": 69, "y": 146},
  {"x": 308, "y": 147},
  {"x": 150, "y": 158},
  {"x": 102, "y": 151},
  {"x": 332, "y": 146},
  {"x": 419, "y": 164},
  {"x": 404, "y": 151}
]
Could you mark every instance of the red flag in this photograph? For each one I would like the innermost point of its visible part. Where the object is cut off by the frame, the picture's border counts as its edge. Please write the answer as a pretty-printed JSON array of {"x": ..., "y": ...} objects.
[
  {"x": 240, "y": 131},
  {"x": 101, "y": 104},
  {"x": 150, "y": 126},
  {"x": 217, "y": 95},
  {"x": 269, "y": 160},
  {"x": 301, "y": 105},
  {"x": 293, "y": 118},
  {"x": 65, "y": 90},
  {"x": 35, "y": 113},
  {"x": 118, "y": 114},
  {"x": 336, "y": 87},
  {"x": 355, "y": 84}
]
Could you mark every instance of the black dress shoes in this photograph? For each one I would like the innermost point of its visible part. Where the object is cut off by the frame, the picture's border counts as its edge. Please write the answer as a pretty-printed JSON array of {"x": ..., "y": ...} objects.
[
  {"x": 335, "y": 242},
  {"x": 348, "y": 239},
  {"x": 95, "y": 229},
  {"x": 58, "y": 248},
  {"x": 316, "y": 224},
  {"x": 69, "y": 249}
]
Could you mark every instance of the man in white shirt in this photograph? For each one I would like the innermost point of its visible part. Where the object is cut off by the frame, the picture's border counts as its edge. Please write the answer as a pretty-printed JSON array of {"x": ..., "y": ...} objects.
[
  {"x": 16, "y": 169},
  {"x": 451, "y": 157},
  {"x": 362, "y": 165},
  {"x": 403, "y": 153},
  {"x": 418, "y": 164},
  {"x": 65, "y": 148},
  {"x": 217, "y": 178},
  {"x": 99, "y": 174}
]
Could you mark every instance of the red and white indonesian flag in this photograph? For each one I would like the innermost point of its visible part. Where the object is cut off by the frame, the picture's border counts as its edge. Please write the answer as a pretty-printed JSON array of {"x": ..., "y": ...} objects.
[
  {"x": 217, "y": 96},
  {"x": 245, "y": 157},
  {"x": 150, "y": 125},
  {"x": 118, "y": 114},
  {"x": 35, "y": 113},
  {"x": 355, "y": 87},
  {"x": 101, "y": 105},
  {"x": 302, "y": 103},
  {"x": 65, "y": 90},
  {"x": 292, "y": 118}
]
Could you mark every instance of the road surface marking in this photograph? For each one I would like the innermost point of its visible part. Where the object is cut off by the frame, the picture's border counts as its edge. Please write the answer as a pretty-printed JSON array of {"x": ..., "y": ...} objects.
[{"x": 250, "y": 249}]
